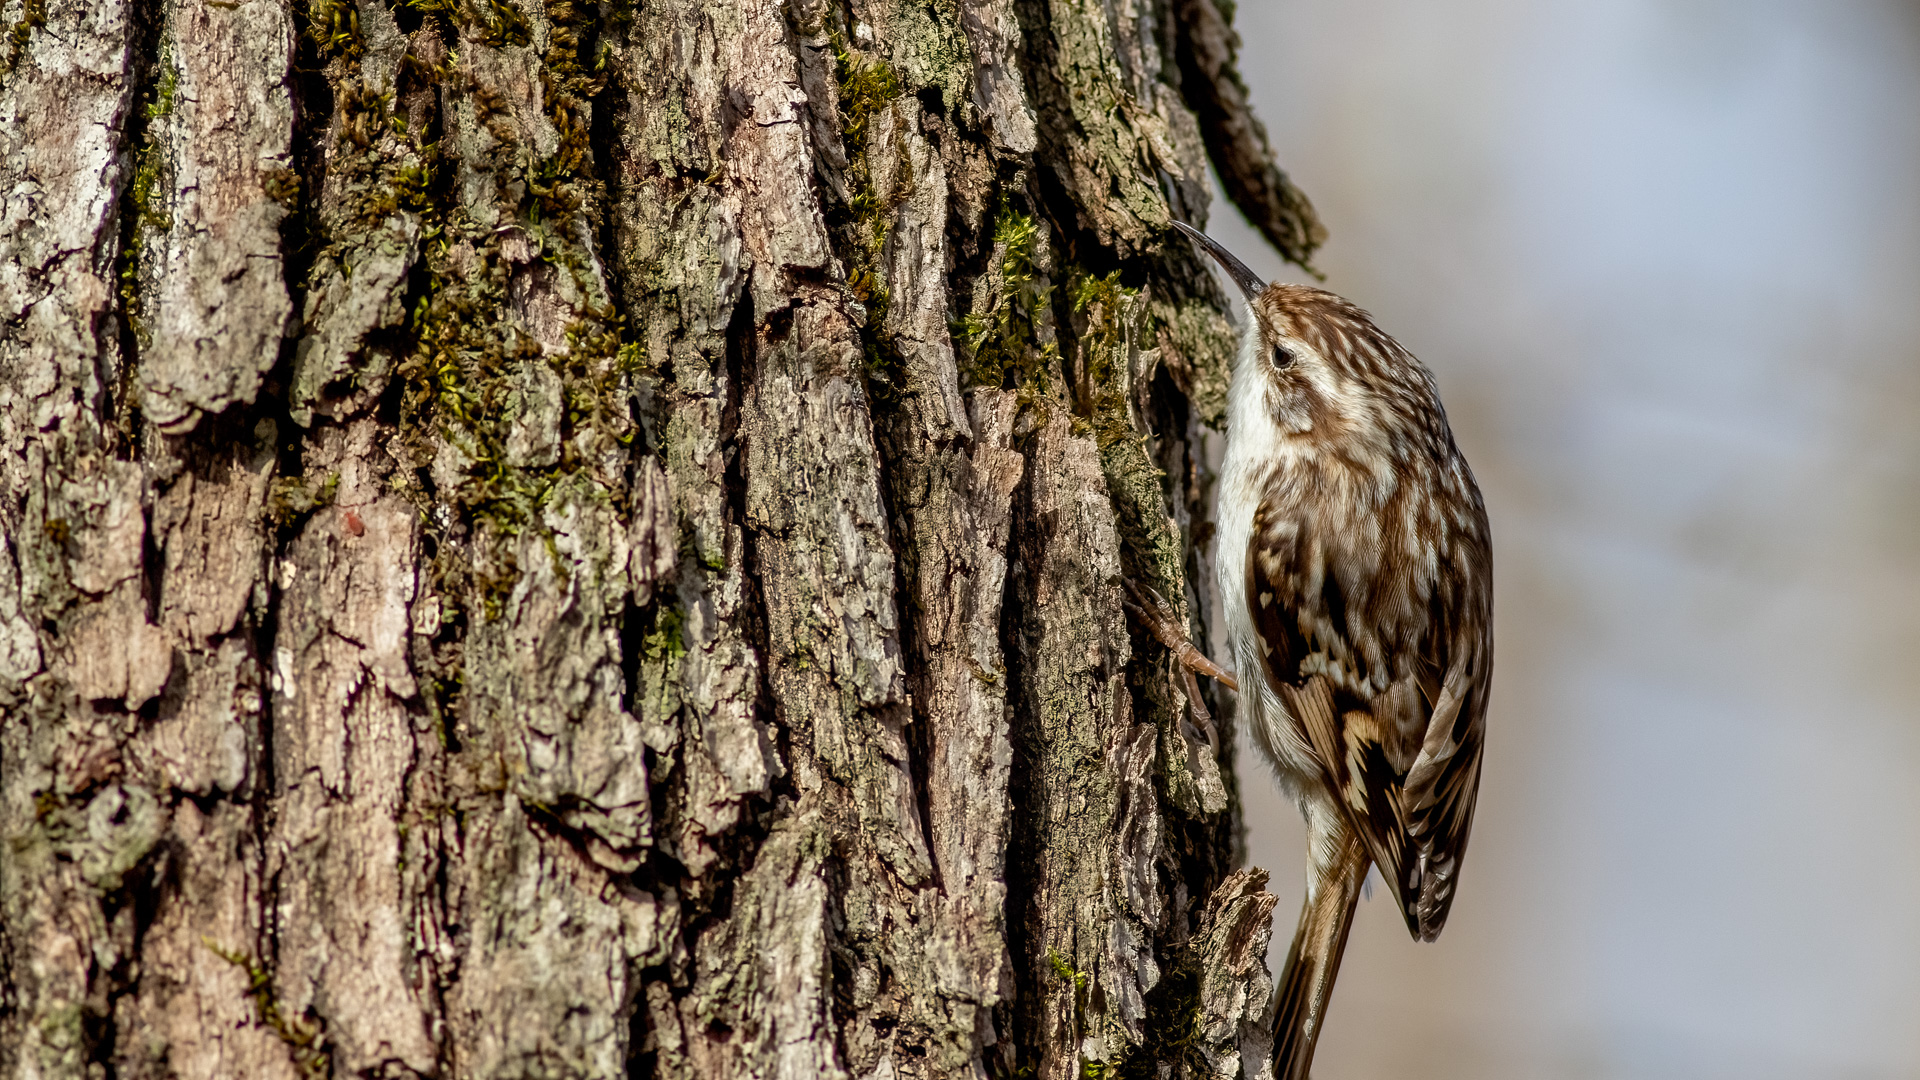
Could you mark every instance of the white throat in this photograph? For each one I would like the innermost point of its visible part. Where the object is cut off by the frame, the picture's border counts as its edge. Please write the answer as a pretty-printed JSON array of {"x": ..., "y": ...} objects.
[{"x": 1252, "y": 442}]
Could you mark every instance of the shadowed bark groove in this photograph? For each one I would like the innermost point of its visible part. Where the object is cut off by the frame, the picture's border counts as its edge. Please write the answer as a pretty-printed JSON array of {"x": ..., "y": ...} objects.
[{"x": 562, "y": 540}]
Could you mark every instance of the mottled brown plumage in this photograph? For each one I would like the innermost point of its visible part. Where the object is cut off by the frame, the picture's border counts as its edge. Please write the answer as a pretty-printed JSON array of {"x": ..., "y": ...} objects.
[
  {"x": 1356, "y": 576},
  {"x": 1368, "y": 578}
]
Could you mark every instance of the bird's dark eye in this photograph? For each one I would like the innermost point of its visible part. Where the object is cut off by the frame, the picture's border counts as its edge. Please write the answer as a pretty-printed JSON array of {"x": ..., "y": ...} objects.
[{"x": 1282, "y": 357}]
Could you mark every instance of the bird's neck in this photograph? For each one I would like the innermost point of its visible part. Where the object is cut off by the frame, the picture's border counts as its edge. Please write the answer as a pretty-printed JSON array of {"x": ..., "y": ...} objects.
[{"x": 1256, "y": 440}]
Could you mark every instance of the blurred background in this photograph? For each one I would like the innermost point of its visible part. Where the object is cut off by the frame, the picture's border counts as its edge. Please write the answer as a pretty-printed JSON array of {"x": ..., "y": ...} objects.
[{"x": 1664, "y": 258}]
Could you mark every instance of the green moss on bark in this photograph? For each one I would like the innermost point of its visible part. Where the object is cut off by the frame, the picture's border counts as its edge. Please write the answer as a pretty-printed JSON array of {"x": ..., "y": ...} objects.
[
  {"x": 304, "y": 1036},
  {"x": 999, "y": 340},
  {"x": 33, "y": 15}
]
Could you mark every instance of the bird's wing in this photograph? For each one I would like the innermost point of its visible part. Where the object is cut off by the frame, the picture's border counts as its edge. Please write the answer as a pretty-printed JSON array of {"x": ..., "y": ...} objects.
[{"x": 1404, "y": 761}]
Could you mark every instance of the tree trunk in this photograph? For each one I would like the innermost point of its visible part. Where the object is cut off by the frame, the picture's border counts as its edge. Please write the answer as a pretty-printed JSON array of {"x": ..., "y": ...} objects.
[{"x": 582, "y": 541}]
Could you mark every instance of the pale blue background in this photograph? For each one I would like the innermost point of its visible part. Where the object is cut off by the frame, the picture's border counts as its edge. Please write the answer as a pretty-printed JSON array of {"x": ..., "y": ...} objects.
[{"x": 1664, "y": 258}]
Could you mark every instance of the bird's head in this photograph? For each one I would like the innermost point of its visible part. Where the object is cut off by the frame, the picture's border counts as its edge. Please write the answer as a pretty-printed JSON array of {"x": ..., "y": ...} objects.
[{"x": 1312, "y": 361}]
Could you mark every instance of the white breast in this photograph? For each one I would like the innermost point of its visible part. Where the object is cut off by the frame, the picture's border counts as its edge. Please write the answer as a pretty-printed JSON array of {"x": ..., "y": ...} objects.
[{"x": 1256, "y": 449}]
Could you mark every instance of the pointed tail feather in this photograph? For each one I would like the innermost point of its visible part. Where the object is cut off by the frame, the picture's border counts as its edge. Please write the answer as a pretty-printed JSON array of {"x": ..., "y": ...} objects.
[{"x": 1306, "y": 984}]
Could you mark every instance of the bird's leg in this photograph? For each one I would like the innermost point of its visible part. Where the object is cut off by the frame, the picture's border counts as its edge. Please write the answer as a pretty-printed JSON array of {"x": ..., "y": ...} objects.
[
  {"x": 1154, "y": 613},
  {"x": 1200, "y": 714}
]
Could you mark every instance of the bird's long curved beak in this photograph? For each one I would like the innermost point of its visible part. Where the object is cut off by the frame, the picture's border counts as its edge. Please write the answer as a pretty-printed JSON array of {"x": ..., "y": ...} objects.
[{"x": 1250, "y": 284}]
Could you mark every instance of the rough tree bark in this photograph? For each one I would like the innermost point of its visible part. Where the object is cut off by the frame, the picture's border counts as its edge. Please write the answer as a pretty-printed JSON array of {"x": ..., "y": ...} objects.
[{"x": 580, "y": 540}]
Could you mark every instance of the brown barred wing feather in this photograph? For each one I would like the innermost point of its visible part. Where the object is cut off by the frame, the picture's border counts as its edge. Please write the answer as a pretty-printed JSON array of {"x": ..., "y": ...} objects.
[
  {"x": 1399, "y": 753},
  {"x": 1439, "y": 791}
]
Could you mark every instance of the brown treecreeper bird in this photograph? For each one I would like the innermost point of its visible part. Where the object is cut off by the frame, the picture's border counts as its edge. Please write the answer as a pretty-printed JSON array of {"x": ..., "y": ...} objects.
[{"x": 1355, "y": 574}]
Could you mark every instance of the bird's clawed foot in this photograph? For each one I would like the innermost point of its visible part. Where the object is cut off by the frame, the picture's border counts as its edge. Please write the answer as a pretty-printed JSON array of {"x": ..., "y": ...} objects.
[
  {"x": 1158, "y": 616},
  {"x": 1153, "y": 612}
]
